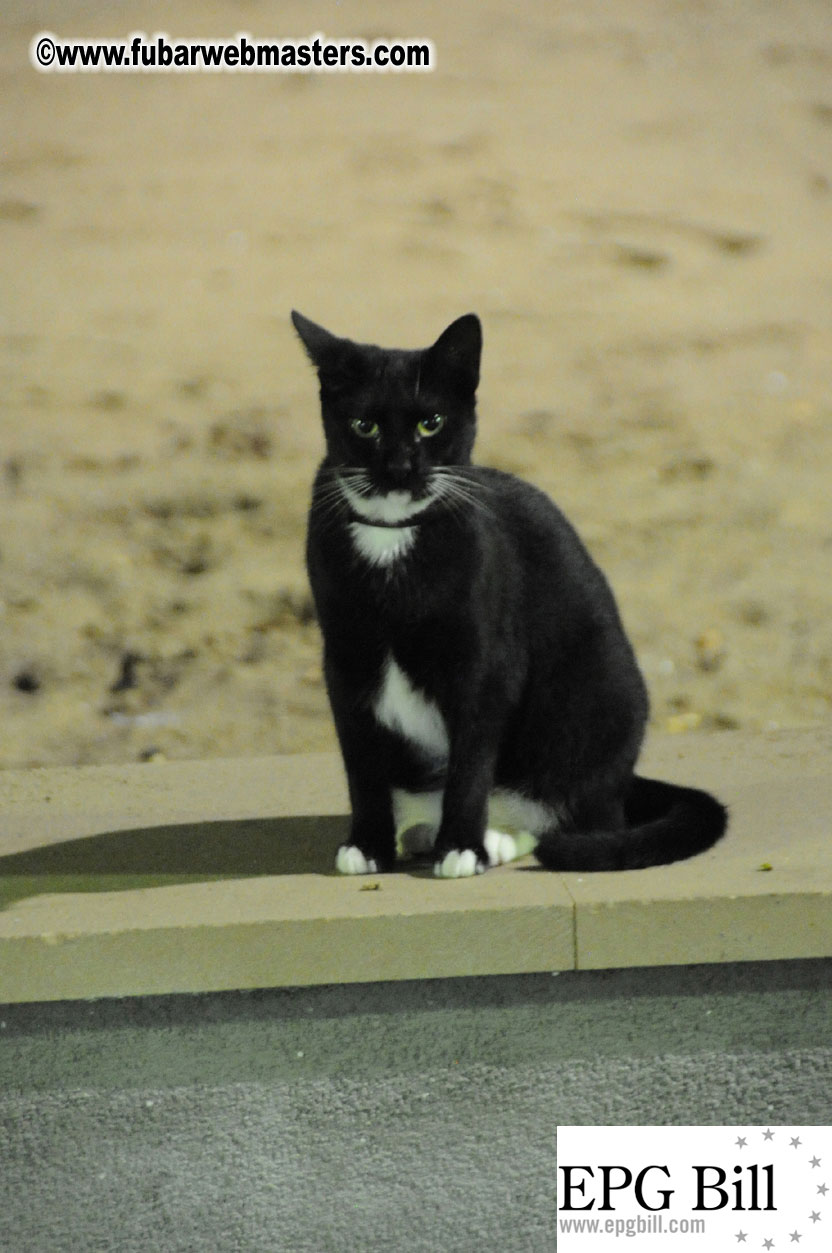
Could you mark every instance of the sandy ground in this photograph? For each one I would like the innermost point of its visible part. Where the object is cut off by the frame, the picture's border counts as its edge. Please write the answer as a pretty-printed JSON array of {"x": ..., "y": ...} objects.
[{"x": 635, "y": 197}]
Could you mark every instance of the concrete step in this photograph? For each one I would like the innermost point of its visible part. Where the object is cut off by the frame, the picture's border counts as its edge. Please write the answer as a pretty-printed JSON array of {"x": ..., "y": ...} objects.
[{"x": 202, "y": 876}]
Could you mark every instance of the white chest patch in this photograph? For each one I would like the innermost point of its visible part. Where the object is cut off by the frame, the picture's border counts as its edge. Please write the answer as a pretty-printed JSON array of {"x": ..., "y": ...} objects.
[
  {"x": 382, "y": 545},
  {"x": 399, "y": 707}
]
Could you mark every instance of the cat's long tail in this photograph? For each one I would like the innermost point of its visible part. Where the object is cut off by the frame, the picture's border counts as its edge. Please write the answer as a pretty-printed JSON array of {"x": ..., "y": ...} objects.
[{"x": 665, "y": 823}]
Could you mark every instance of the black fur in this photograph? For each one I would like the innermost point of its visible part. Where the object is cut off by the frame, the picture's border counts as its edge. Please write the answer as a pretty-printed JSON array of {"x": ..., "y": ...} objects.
[{"x": 496, "y": 613}]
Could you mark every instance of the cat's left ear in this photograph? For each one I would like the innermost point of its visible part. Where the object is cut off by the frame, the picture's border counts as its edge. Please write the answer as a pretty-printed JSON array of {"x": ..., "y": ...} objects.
[{"x": 455, "y": 356}]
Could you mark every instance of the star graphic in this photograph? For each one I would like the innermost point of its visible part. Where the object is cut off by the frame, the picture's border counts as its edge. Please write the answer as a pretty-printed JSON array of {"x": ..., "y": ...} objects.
[
  {"x": 815, "y": 1161},
  {"x": 741, "y": 1237},
  {"x": 815, "y": 1216},
  {"x": 794, "y": 1236},
  {"x": 822, "y": 1189},
  {"x": 768, "y": 1135},
  {"x": 795, "y": 1142},
  {"x": 768, "y": 1244},
  {"x": 740, "y": 1142}
]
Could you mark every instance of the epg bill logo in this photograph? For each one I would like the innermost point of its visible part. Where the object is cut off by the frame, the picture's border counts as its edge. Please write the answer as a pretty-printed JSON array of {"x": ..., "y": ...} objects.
[
  {"x": 720, "y": 1187},
  {"x": 706, "y": 1183}
]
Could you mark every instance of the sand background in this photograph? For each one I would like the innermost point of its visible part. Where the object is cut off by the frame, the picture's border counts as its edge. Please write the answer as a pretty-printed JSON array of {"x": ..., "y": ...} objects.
[{"x": 635, "y": 197}]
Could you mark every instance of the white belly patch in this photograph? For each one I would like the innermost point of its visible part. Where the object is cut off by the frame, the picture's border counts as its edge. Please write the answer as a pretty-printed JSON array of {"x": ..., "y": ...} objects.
[
  {"x": 515, "y": 823},
  {"x": 507, "y": 811},
  {"x": 400, "y": 707}
]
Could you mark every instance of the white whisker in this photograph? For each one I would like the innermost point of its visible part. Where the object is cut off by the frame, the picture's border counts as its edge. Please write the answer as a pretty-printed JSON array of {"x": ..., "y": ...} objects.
[
  {"x": 454, "y": 489},
  {"x": 460, "y": 491}
]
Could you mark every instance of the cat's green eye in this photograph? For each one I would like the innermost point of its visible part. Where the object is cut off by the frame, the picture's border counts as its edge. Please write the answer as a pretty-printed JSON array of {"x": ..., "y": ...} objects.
[
  {"x": 364, "y": 428},
  {"x": 431, "y": 426}
]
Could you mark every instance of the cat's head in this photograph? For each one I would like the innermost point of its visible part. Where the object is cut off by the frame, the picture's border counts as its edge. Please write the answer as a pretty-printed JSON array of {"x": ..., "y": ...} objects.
[{"x": 397, "y": 414}]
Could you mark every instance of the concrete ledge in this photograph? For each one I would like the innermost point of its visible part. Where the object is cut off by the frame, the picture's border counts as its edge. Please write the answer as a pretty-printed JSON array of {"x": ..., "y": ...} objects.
[{"x": 203, "y": 876}]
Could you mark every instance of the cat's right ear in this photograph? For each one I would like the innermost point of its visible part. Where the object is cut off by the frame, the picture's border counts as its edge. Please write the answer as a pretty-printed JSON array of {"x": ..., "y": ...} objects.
[
  {"x": 338, "y": 361},
  {"x": 321, "y": 346}
]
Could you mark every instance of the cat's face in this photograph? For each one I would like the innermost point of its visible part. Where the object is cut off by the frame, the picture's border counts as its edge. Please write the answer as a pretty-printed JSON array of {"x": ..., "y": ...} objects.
[{"x": 393, "y": 417}]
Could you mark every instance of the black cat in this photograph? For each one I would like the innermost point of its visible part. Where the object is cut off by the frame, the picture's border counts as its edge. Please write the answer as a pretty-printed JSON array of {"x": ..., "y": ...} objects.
[{"x": 486, "y": 698}]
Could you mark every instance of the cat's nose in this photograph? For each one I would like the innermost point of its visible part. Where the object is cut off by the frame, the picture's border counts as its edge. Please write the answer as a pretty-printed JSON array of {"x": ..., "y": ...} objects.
[{"x": 399, "y": 467}]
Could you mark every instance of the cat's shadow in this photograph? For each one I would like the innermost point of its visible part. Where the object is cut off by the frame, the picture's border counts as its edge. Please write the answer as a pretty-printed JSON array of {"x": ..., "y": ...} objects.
[
  {"x": 178, "y": 853},
  {"x": 188, "y": 852}
]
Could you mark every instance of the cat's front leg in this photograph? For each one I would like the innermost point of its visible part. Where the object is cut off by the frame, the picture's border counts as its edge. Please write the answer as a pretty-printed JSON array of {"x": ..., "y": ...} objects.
[
  {"x": 460, "y": 851},
  {"x": 371, "y": 847}
]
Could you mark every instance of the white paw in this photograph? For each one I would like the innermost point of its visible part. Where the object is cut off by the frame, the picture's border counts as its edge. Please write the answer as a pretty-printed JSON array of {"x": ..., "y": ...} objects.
[
  {"x": 500, "y": 847},
  {"x": 351, "y": 860},
  {"x": 458, "y": 864}
]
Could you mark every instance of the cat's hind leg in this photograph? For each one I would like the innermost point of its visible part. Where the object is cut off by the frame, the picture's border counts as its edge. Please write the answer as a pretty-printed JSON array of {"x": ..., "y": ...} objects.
[
  {"x": 505, "y": 846},
  {"x": 515, "y": 824}
]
